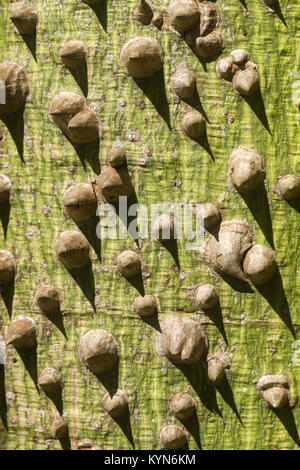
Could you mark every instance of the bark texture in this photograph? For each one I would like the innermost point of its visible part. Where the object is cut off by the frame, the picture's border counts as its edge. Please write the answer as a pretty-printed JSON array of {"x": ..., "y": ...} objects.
[{"x": 261, "y": 327}]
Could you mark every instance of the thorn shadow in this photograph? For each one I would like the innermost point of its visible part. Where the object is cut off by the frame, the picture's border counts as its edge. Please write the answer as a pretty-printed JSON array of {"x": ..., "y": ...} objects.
[
  {"x": 110, "y": 379},
  {"x": 278, "y": 12},
  {"x": 256, "y": 103},
  {"x": 196, "y": 375},
  {"x": 237, "y": 284},
  {"x": 137, "y": 282},
  {"x": 80, "y": 76},
  {"x": 57, "y": 319},
  {"x": 192, "y": 426},
  {"x": 56, "y": 399},
  {"x": 225, "y": 391},
  {"x": 273, "y": 292},
  {"x": 172, "y": 247},
  {"x": 243, "y": 2},
  {"x": 129, "y": 221},
  {"x": 125, "y": 425},
  {"x": 88, "y": 153},
  {"x": 65, "y": 442},
  {"x": 29, "y": 359},
  {"x": 101, "y": 13},
  {"x": 154, "y": 88},
  {"x": 84, "y": 278},
  {"x": 30, "y": 41},
  {"x": 204, "y": 143},
  {"x": 295, "y": 204},
  {"x": 214, "y": 231},
  {"x": 3, "y": 404},
  {"x": 5, "y": 208},
  {"x": 258, "y": 204},
  {"x": 7, "y": 292},
  {"x": 15, "y": 125},
  {"x": 215, "y": 315},
  {"x": 202, "y": 61},
  {"x": 88, "y": 228},
  {"x": 285, "y": 415},
  {"x": 152, "y": 321},
  {"x": 195, "y": 103}
]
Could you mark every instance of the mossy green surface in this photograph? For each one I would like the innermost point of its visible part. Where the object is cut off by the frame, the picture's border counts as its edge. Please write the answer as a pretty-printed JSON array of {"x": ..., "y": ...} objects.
[{"x": 166, "y": 166}]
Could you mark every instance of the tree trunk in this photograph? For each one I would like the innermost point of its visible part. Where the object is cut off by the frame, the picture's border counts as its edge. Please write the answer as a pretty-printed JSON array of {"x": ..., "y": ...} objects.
[{"x": 261, "y": 327}]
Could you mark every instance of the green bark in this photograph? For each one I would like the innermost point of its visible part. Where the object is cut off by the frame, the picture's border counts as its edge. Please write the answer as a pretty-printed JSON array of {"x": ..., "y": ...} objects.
[{"x": 166, "y": 166}]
